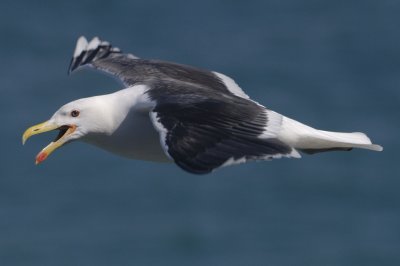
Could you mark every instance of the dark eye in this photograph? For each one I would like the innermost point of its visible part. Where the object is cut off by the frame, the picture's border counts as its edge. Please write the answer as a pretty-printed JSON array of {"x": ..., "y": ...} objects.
[{"x": 74, "y": 113}]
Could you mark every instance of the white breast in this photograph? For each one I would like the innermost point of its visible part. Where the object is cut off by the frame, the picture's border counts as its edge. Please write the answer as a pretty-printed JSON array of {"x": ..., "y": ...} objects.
[
  {"x": 129, "y": 131},
  {"x": 136, "y": 138}
]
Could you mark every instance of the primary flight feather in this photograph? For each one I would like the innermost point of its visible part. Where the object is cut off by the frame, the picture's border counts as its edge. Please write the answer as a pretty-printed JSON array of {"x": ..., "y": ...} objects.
[{"x": 199, "y": 119}]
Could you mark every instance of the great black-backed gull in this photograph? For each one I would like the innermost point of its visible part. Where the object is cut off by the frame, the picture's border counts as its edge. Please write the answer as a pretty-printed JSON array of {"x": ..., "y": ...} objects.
[{"x": 200, "y": 119}]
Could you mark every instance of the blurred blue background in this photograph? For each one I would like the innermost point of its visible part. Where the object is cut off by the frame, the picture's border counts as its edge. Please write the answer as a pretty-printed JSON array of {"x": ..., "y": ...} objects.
[{"x": 331, "y": 64}]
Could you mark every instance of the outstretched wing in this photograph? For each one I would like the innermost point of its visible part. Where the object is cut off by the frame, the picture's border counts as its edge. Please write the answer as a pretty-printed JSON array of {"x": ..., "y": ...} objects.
[
  {"x": 102, "y": 56},
  {"x": 204, "y": 119},
  {"x": 132, "y": 70},
  {"x": 203, "y": 132}
]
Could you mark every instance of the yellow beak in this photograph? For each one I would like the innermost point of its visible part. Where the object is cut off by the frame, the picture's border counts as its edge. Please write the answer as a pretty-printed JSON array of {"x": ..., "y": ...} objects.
[{"x": 45, "y": 127}]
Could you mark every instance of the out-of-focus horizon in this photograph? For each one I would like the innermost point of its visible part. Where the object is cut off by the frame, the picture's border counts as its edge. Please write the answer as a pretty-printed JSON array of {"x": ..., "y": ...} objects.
[{"x": 334, "y": 66}]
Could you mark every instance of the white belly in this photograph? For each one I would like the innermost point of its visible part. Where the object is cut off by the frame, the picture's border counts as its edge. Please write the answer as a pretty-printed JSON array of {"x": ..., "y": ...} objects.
[{"x": 135, "y": 138}]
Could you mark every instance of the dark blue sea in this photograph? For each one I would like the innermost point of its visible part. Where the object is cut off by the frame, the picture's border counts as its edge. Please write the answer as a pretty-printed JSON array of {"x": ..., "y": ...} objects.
[{"x": 334, "y": 65}]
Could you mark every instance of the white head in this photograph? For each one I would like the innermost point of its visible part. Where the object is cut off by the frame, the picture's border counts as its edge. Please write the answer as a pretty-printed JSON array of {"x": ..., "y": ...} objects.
[{"x": 75, "y": 120}]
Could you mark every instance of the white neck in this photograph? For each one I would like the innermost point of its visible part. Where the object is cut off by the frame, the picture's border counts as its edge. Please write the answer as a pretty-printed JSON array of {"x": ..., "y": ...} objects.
[
  {"x": 116, "y": 106},
  {"x": 126, "y": 128}
]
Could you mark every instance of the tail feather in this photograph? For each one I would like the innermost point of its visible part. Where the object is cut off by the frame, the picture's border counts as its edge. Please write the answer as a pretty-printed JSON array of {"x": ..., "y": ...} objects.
[
  {"x": 343, "y": 140},
  {"x": 311, "y": 140}
]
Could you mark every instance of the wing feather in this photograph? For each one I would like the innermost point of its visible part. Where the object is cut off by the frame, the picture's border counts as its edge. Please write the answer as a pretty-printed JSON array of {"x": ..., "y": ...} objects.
[{"x": 210, "y": 133}]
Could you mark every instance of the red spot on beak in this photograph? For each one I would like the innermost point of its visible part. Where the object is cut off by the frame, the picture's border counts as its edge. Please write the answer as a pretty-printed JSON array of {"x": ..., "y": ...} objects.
[{"x": 41, "y": 157}]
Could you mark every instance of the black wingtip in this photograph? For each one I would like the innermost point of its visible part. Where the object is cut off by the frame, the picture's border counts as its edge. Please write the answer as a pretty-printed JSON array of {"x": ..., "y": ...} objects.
[
  {"x": 72, "y": 66},
  {"x": 88, "y": 52},
  {"x": 75, "y": 63}
]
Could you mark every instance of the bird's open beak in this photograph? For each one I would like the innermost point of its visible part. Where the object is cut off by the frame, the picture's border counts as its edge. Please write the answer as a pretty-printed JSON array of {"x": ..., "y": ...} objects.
[{"x": 61, "y": 138}]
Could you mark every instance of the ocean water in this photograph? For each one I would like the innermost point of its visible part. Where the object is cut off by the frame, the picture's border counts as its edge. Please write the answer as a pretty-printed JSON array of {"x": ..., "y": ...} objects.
[{"x": 331, "y": 64}]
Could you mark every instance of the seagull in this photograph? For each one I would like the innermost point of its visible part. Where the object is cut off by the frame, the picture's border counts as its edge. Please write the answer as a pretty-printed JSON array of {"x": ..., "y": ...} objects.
[{"x": 168, "y": 112}]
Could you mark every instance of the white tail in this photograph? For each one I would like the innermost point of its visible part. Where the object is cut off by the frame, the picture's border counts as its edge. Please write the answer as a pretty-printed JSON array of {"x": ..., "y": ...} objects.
[{"x": 306, "y": 138}]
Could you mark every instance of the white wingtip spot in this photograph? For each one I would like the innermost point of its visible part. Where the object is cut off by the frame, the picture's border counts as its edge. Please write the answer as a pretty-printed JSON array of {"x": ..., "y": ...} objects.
[
  {"x": 131, "y": 56},
  {"x": 81, "y": 45},
  {"x": 94, "y": 43}
]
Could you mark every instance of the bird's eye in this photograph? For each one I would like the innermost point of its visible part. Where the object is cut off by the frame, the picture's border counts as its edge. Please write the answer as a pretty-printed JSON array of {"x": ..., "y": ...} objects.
[{"x": 74, "y": 113}]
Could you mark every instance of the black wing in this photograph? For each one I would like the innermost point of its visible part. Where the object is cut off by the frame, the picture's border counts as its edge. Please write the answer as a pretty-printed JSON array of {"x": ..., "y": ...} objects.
[{"x": 203, "y": 130}]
